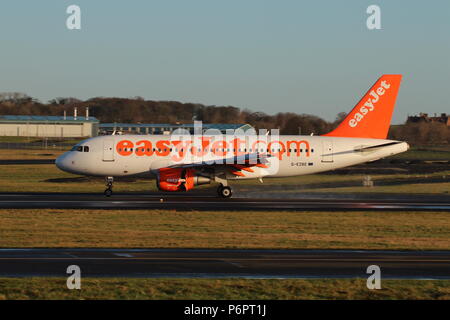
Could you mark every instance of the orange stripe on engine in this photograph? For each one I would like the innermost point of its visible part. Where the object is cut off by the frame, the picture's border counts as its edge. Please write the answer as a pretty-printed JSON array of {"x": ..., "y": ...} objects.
[
  {"x": 241, "y": 167},
  {"x": 238, "y": 173}
]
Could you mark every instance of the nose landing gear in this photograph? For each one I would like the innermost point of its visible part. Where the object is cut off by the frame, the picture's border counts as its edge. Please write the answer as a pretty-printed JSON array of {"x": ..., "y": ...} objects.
[{"x": 109, "y": 184}]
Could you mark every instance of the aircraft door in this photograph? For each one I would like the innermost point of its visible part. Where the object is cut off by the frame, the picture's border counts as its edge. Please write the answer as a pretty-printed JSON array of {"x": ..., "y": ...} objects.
[
  {"x": 327, "y": 151},
  {"x": 108, "y": 150}
]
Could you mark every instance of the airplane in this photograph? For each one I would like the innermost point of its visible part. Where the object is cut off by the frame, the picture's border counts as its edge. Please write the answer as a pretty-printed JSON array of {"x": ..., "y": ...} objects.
[{"x": 181, "y": 162}]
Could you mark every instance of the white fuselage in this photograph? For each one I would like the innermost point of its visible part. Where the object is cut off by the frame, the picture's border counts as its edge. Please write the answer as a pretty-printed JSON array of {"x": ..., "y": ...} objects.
[{"x": 288, "y": 155}]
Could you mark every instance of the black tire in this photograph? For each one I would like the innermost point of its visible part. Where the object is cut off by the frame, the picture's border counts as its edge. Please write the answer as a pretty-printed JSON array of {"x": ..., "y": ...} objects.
[
  {"x": 219, "y": 190},
  {"x": 226, "y": 192},
  {"x": 108, "y": 192}
]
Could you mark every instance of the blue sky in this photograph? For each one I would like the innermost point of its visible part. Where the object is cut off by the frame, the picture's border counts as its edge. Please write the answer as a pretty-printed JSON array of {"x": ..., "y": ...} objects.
[{"x": 313, "y": 57}]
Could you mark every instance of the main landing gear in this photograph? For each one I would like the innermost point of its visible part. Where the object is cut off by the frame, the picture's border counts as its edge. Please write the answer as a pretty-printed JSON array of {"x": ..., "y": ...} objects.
[
  {"x": 109, "y": 184},
  {"x": 224, "y": 191}
]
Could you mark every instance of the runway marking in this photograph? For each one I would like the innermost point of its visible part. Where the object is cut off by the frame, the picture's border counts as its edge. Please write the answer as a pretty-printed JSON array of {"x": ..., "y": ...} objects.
[
  {"x": 241, "y": 202},
  {"x": 221, "y": 259},
  {"x": 203, "y": 202},
  {"x": 236, "y": 264},
  {"x": 234, "y": 276},
  {"x": 127, "y": 255}
]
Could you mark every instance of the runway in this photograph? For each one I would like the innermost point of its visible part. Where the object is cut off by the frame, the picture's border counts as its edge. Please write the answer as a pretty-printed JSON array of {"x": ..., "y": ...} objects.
[
  {"x": 196, "y": 263},
  {"x": 204, "y": 201}
]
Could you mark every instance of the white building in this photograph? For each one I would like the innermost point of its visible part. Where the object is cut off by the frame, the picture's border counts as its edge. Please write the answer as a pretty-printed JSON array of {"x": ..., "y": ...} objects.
[{"x": 48, "y": 126}]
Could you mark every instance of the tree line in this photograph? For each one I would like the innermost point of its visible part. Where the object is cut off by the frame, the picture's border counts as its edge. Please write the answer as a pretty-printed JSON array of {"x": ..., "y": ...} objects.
[
  {"x": 421, "y": 133},
  {"x": 138, "y": 110}
]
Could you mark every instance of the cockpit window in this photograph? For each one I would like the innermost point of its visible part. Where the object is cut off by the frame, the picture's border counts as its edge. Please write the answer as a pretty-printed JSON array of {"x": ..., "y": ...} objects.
[
  {"x": 79, "y": 149},
  {"x": 86, "y": 149}
]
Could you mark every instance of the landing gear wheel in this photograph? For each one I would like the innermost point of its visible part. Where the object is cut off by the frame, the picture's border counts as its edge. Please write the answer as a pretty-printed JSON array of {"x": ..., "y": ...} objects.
[
  {"x": 108, "y": 192},
  {"x": 224, "y": 192}
]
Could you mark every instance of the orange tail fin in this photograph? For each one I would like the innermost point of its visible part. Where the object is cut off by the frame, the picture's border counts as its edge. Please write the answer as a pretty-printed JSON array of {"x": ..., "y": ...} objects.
[{"x": 371, "y": 117}]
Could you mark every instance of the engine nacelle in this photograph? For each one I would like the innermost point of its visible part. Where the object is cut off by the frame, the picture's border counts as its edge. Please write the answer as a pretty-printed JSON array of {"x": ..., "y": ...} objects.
[{"x": 179, "y": 179}]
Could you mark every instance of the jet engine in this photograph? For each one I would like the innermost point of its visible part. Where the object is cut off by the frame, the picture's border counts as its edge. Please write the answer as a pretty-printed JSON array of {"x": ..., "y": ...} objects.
[{"x": 179, "y": 179}]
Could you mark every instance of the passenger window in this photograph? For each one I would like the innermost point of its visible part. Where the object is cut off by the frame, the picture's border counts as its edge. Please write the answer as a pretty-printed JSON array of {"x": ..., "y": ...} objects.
[{"x": 86, "y": 149}]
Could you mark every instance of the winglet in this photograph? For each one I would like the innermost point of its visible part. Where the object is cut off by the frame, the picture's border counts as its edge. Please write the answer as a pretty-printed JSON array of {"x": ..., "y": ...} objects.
[{"x": 371, "y": 117}]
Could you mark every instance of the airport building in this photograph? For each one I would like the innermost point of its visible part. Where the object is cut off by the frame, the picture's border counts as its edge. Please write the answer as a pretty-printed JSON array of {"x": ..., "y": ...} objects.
[
  {"x": 151, "y": 128},
  {"x": 424, "y": 118},
  {"x": 49, "y": 126}
]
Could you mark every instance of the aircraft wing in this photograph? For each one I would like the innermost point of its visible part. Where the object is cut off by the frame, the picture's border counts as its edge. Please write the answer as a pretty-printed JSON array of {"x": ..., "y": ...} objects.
[{"x": 237, "y": 162}]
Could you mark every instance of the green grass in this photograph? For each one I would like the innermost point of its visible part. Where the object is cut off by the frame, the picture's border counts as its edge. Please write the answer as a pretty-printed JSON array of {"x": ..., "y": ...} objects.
[
  {"x": 220, "y": 289},
  {"x": 20, "y": 154},
  {"x": 407, "y": 230},
  {"x": 403, "y": 184},
  {"x": 425, "y": 153},
  {"x": 429, "y": 188},
  {"x": 48, "y": 178}
]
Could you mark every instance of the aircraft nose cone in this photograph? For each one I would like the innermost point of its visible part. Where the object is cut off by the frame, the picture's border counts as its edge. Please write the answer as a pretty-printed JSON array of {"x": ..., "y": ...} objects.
[{"x": 60, "y": 163}]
